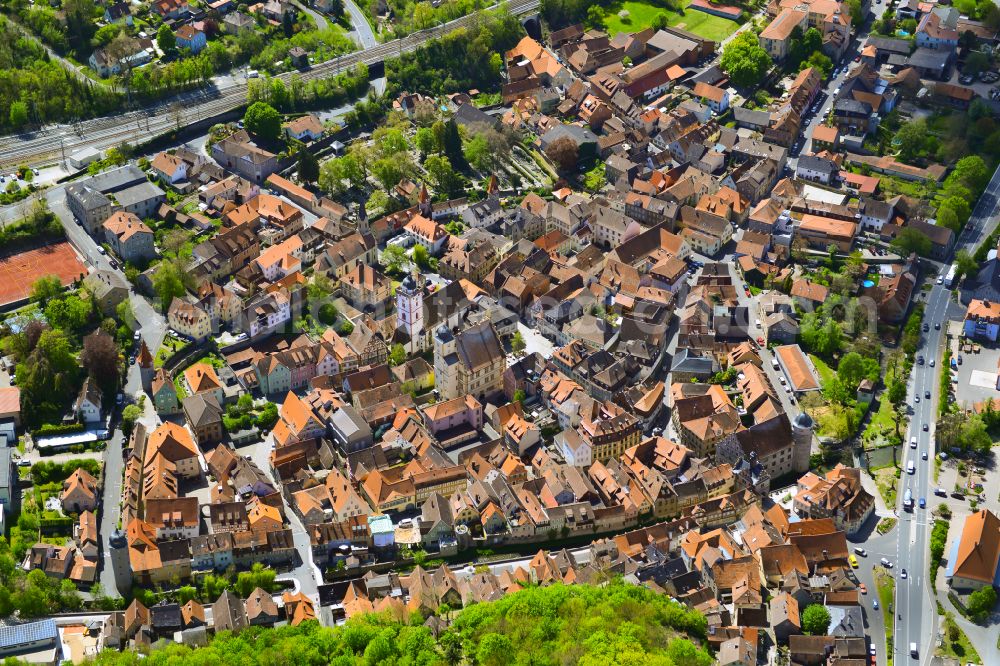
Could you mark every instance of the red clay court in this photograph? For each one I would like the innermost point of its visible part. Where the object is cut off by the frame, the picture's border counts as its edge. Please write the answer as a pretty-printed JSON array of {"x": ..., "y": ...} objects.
[{"x": 19, "y": 271}]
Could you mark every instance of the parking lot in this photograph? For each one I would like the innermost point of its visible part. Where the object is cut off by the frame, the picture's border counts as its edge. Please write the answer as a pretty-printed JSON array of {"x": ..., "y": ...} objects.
[{"x": 975, "y": 379}]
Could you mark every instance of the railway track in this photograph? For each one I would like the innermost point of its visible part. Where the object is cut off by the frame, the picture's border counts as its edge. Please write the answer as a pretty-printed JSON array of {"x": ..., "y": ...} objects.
[{"x": 137, "y": 126}]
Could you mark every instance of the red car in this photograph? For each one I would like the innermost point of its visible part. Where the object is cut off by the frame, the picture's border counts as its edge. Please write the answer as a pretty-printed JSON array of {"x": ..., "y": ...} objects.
[
  {"x": 864, "y": 590},
  {"x": 760, "y": 341}
]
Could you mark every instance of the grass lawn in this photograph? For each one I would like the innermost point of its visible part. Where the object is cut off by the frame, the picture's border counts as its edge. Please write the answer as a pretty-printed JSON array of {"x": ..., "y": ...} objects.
[
  {"x": 641, "y": 15},
  {"x": 884, "y": 420},
  {"x": 961, "y": 648},
  {"x": 824, "y": 370},
  {"x": 885, "y": 479},
  {"x": 886, "y": 585}
]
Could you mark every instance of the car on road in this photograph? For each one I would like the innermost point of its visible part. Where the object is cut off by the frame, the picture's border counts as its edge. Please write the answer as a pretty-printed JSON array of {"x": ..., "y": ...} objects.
[
  {"x": 923, "y": 455},
  {"x": 920, "y": 360},
  {"x": 853, "y": 560},
  {"x": 937, "y": 326},
  {"x": 960, "y": 359},
  {"x": 913, "y": 442},
  {"x": 927, "y": 394},
  {"x": 916, "y": 398},
  {"x": 861, "y": 551},
  {"x": 926, "y": 327},
  {"x": 101, "y": 249},
  {"x": 886, "y": 563},
  {"x": 875, "y": 604},
  {"x": 940, "y": 280},
  {"x": 922, "y": 503},
  {"x": 932, "y": 363},
  {"x": 863, "y": 588},
  {"x": 965, "y": 79},
  {"x": 902, "y": 574},
  {"x": 925, "y": 427}
]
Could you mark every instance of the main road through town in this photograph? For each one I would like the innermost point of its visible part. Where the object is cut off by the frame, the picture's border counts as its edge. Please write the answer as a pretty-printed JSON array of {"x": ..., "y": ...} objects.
[
  {"x": 54, "y": 142},
  {"x": 915, "y": 608}
]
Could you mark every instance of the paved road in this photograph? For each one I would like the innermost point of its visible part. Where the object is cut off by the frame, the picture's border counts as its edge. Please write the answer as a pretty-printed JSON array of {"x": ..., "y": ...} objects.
[
  {"x": 48, "y": 145},
  {"x": 317, "y": 18},
  {"x": 307, "y": 573},
  {"x": 362, "y": 28},
  {"x": 916, "y": 615},
  {"x": 835, "y": 82}
]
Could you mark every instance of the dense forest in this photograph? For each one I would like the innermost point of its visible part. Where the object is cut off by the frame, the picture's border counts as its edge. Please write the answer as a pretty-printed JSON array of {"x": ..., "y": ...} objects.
[
  {"x": 35, "y": 89},
  {"x": 580, "y": 624},
  {"x": 462, "y": 59}
]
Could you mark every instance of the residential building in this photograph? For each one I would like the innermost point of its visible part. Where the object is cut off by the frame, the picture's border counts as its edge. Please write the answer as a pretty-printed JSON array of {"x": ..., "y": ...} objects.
[
  {"x": 469, "y": 362},
  {"x": 974, "y": 558},
  {"x": 129, "y": 237}
]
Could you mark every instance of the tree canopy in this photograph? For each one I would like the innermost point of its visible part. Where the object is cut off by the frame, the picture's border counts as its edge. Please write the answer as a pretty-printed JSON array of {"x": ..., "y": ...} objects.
[
  {"x": 263, "y": 120},
  {"x": 616, "y": 624},
  {"x": 745, "y": 60},
  {"x": 815, "y": 620}
]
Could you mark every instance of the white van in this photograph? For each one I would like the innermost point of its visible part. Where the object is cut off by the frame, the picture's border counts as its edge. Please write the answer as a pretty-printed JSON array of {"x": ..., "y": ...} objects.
[
  {"x": 910, "y": 469},
  {"x": 913, "y": 650},
  {"x": 913, "y": 442}
]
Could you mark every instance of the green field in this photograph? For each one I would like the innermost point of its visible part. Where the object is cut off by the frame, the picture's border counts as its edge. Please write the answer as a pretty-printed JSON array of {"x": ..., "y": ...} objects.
[{"x": 641, "y": 15}]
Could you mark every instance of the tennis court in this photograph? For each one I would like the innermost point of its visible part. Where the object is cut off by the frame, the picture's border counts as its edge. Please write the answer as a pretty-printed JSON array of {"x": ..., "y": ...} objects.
[{"x": 18, "y": 272}]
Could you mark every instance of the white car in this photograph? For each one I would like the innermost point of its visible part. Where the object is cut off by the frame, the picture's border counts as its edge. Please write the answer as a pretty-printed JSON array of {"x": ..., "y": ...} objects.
[{"x": 932, "y": 363}]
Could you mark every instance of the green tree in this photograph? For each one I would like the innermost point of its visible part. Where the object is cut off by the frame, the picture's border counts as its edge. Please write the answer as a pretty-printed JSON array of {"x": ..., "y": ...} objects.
[
  {"x": 517, "y": 343},
  {"x": 451, "y": 140},
  {"x": 46, "y": 288},
  {"x": 947, "y": 217},
  {"x": 815, "y": 620},
  {"x": 388, "y": 171},
  {"x": 971, "y": 172},
  {"x": 308, "y": 166},
  {"x": 981, "y": 603},
  {"x": 965, "y": 264},
  {"x": 683, "y": 652},
  {"x": 168, "y": 283},
  {"x": 130, "y": 415},
  {"x": 857, "y": 15},
  {"x": 426, "y": 141},
  {"x": 478, "y": 155},
  {"x": 327, "y": 314},
  {"x": 439, "y": 170},
  {"x": 820, "y": 61},
  {"x": 909, "y": 240},
  {"x": 595, "y": 16},
  {"x": 166, "y": 39},
  {"x": 745, "y": 60},
  {"x": 397, "y": 354},
  {"x": 960, "y": 207},
  {"x": 494, "y": 649},
  {"x": 421, "y": 257},
  {"x": 18, "y": 114},
  {"x": 263, "y": 120},
  {"x": 394, "y": 259}
]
